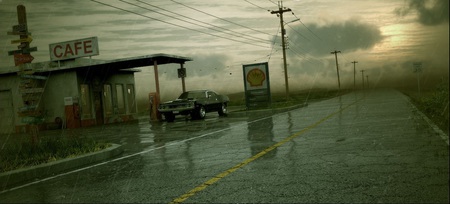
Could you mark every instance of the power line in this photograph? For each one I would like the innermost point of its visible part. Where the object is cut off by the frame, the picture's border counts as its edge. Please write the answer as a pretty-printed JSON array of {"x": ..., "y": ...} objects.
[
  {"x": 306, "y": 26},
  {"x": 219, "y": 17},
  {"x": 274, "y": 2},
  {"x": 304, "y": 56},
  {"x": 241, "y": 35},
  {"x": 256, "y": 5},
  {"x": 298, "y": 32},
  {"x": 177, "y": 24},
  {"x": 273, "y": 45},
  {"x": 235, "y": 35},
  {"x": 312, "y": 32}
]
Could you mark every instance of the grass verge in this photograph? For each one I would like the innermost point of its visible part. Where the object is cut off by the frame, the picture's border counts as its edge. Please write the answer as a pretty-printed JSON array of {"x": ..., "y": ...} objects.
[
  {"x": 48, "y": 149},
  {"x": 299, "y": 97},
  {"x": 434, "y": 104}
]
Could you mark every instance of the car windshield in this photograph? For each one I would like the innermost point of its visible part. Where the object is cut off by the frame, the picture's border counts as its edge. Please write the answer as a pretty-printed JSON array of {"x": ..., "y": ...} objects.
[{"x": 196, "y": 94}]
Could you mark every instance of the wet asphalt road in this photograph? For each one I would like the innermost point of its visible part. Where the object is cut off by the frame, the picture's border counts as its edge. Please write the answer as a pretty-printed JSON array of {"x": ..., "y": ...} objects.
[{"x": 358, "y": 148}]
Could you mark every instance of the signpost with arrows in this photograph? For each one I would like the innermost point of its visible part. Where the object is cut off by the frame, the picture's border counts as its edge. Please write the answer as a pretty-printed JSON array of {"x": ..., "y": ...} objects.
[
  {"x": 22, "y": 59},
  {"x": 22, "y": 55},
  {"x": 30, "y": 87}
]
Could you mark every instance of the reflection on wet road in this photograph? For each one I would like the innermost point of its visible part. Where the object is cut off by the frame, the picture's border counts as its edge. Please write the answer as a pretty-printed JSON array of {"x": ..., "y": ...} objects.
[{"x": 361, "y": 147}]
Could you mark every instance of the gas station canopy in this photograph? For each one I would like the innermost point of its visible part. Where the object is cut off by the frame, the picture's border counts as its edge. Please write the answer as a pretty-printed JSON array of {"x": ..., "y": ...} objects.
[
  {"x": 123, "y": 63},
  {"x": 142, "y": 61}
]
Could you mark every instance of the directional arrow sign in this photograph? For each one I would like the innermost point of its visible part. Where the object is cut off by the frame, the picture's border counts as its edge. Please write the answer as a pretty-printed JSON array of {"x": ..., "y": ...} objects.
[
  {"x": 28, "y": 108},
  {"x": 13, "y": 52},
  {"x": 34, "y": 77},
  {"x": 23, "y": 45},
  {"x": 417, "y": 66},
  {"x": 19, "y": 28},
  {"x": 22, "y": 51},
  {"x": 22, "y": 40},
  {"x": 32, "y": 120},
  {"x": 32, "y": 90},
  {"x": 22, "y": 59},
  {"x": 18, "y": 33},
  {"x": 28, "y": 50}
]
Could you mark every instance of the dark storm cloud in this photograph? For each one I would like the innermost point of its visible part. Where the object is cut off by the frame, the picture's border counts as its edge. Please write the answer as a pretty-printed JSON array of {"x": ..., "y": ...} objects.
[
  {"x": 347, "y": 36},
  {"x": 430, "y": 12}
]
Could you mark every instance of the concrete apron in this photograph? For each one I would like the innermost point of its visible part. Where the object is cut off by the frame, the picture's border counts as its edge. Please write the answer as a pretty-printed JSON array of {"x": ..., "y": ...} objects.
[{"x": 21, "y": 176}]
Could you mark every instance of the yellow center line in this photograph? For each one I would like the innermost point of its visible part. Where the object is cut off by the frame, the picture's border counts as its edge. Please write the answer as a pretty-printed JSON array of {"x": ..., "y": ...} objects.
[{"x": 216, "y": 178}]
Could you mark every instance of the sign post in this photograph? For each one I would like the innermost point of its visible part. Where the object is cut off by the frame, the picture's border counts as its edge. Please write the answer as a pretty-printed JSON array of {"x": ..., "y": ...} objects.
[
  {"x": 257, "y": 85},
  {"x": 22, "y": 59},
  {"x": 30, "y": 113},
  {"x": 417, "y": 66},
  {"x": 22, "y": 56}
]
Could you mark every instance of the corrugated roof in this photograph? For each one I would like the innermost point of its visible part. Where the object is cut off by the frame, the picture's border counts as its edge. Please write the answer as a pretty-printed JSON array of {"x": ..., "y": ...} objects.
[{"x": 124, "y": 63}]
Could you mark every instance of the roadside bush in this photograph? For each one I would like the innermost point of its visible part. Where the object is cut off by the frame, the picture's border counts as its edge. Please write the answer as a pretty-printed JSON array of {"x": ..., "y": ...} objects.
[
  {"x": 437, "y": 103},
  {"x": 46, "y": 150},
  {"x": 436, "y": 107}
]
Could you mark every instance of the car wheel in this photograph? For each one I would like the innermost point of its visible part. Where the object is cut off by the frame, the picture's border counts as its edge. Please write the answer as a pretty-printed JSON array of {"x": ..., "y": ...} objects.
[
  {"x": 170, "y": 117},
  {"x": 223, "y": 110},
  {"x": 201, "y": 112}
]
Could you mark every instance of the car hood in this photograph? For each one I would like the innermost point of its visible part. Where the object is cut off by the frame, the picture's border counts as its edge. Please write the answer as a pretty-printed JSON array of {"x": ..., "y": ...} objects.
[{"x": 178, "y": 101}]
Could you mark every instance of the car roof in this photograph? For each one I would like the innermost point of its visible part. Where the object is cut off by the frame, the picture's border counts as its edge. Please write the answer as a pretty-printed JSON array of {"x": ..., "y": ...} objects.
[{"x": 199, "y": 90}]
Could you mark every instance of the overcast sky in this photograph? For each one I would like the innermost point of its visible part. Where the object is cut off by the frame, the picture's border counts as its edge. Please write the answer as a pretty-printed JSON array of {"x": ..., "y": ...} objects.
[{"x": 384, "y": 36}]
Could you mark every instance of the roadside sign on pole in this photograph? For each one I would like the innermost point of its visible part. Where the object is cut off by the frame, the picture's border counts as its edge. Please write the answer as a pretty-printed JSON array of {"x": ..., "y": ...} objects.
[
  {"x": 13, "y": 52},
  {"x": 29, "y": 50},
  {"x": 33, "y": 77},
  {"x": 23, "y": 51},
  {"x": 22, "y": 59},
  {"x": 257, "y": 85},
  {"x": 181, "y": 72},
  {"x": 18, "y": 33},
  {"x": 31, "y": 90},
  {"x": 19, "y": 28},
  {"x": 22, "y": 40},
  {"x": 32, "y": 120},
  {"x": 417, "y": 66}
]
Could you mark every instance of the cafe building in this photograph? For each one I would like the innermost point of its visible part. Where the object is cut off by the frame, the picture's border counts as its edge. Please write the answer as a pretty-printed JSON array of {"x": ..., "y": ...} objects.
[{"x": 72, "y": 90}]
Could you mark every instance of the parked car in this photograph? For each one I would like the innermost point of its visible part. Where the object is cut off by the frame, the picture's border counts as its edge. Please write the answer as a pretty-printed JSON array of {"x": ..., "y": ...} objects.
[{"x": 196, "y": 104}]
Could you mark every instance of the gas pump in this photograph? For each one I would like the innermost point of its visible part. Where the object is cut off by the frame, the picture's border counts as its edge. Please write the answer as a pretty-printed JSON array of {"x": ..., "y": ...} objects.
[
  {"x": 72, "y": 112},
  {"x": 153, "y": 103}
]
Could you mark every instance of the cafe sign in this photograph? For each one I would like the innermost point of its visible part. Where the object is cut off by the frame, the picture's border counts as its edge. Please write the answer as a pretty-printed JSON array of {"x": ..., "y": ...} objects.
[{"x": 74, "y": 49}]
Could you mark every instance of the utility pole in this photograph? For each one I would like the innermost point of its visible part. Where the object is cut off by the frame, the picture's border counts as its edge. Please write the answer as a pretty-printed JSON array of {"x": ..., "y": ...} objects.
[
  {"x": 367, "y": 76},
  {"x": 362, "y": 74},
  {"x": 354, "y": 74},
  {"x": 417, "y": 69},
  {"x": 283, "y": 43},
  {"x": 337, "y": 66}
]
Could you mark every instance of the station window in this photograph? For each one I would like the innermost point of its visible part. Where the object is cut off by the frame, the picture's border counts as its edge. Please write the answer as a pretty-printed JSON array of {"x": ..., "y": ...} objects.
[
  {"x": 120, "y": 99},
  {"x": 131, "y": 98},
  {"x": 107, "y": 99},
  {"x": 85, "y": 101}
]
